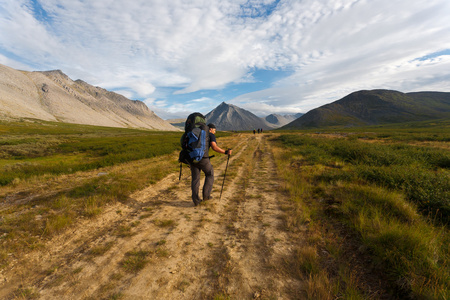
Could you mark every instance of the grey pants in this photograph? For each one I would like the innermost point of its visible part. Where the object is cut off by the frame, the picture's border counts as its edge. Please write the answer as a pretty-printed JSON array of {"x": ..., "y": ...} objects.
[{"x": 205, "y": 166}]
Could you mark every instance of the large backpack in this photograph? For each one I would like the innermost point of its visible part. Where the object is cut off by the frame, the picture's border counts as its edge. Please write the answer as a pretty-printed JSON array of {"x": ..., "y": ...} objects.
[{"x": 195, "y": 140}]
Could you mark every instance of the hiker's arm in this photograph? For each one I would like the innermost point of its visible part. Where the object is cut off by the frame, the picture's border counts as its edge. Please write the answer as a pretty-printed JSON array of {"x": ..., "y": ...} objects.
[{"x": 218, "y": 149}]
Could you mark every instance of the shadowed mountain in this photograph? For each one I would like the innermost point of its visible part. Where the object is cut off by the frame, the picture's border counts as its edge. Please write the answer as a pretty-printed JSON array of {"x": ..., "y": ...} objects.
[
  {"x": 53, "y": 96},
  {"x": 376, "y": 107},
  {"x": 230, "y": 117}
]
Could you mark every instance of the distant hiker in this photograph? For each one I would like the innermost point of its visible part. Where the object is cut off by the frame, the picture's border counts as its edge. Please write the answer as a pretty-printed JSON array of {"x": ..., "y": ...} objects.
[
  {"x": 259, "y": 130},
  {"x": 196, "y": 141},
  {"x": 254, "y": 131}
]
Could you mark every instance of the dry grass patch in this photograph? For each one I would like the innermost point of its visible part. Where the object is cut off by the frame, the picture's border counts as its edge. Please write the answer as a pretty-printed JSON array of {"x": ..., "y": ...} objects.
[
  {"x": 220, "y": 269},
  {"x": 162, "y": 252},
  {"x": 135, "y": 261},
  {"x": 124, "y": 231},
  {"x": 57, "y": 223},
  {"x": 164, "y": 223},
  {"x": 183, "y": 285},
  {"x": 318, "y": 287},
  {"x": 101, "y": 249},
  {"x": 26, "y": 293}
]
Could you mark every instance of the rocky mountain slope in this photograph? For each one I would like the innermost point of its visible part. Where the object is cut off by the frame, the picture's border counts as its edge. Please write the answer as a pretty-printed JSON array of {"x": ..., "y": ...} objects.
[
  {"x": 53, "y": 96},
  {"x": 178, "y": 123},
  {"x": 281, "y": 120},
  {"x": 376, "y": 107},
  {"x": 230, "y": 117}
]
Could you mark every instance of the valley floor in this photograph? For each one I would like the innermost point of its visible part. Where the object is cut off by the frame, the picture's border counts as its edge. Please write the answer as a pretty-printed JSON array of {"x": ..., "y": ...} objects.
[
  {"x": 301, "y": 216},
  {"x": 157, "y": 245}
]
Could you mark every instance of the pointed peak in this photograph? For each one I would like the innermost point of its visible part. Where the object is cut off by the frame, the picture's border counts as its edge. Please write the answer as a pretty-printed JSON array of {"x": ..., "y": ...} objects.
[{"x": 226, "y": 105}]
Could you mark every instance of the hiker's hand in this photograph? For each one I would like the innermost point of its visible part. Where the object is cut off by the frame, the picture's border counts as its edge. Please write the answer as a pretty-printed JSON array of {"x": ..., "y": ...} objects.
[{"x": 228, "y": 152}]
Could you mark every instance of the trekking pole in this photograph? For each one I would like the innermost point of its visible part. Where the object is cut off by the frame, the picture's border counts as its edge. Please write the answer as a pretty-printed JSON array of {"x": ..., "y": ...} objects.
[
  {"x": 224, "y": 175},
  {"x": 181, "y": 166}
]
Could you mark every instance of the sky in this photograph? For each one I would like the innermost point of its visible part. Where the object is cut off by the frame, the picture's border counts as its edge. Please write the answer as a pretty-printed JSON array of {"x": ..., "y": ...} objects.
[{"x": 266, "y": 56}]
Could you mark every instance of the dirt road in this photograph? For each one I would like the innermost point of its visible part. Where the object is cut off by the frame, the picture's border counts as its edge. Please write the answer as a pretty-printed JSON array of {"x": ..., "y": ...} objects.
[{"x": 158, "y": 245}]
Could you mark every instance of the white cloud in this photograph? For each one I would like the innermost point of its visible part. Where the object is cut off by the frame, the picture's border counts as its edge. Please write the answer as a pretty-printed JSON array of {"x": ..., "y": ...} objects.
[
  {"x": 13, "y": 63},
  {"x": 140, "y": 47},
  {"x": 22, "y": 34},
  {"x": 149, "y": 101},
  {"x": 202, "y": 100},
  {"x": 366, "y": 46},
  {"x": 143, "y": 89}
]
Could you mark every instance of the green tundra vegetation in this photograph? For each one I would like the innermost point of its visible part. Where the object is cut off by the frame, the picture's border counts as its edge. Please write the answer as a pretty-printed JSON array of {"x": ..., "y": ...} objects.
[
  {"x": 35, "y": 148},
  {"x": 380, "y": 194},
  {"x": 384, "y": 192}
]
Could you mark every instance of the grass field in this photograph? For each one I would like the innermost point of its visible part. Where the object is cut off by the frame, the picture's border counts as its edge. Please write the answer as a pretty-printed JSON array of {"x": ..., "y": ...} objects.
[
  {"x": 375, "y": 198},
  {"x": 30, "y": 149},
  {"x": 383, "y": 193}
]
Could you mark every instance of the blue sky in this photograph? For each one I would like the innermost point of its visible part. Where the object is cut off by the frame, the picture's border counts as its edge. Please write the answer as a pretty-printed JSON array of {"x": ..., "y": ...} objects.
[{"x": 267, "y": 56}]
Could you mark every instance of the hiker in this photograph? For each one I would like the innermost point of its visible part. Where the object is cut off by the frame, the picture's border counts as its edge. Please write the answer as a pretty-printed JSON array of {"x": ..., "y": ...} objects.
[{"x": 205, "y": 166}]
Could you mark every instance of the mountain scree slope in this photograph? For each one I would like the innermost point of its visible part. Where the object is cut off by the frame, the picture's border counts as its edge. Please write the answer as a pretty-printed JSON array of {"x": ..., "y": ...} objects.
[{"x": 53, "y": 96}]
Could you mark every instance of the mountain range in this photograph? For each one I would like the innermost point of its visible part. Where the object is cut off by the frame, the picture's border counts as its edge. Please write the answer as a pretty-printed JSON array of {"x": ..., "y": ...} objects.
[
  {"x": 374, "y": 107},
  {"x": 231, "y": 117},
  {"x": 225, "y": 116},
  {"x": 53, "y": 96},
  {"x": 361, "y": 108}
]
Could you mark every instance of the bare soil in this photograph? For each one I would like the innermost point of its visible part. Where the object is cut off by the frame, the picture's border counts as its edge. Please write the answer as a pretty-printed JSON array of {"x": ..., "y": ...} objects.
[{"x": 158, "y": 245}]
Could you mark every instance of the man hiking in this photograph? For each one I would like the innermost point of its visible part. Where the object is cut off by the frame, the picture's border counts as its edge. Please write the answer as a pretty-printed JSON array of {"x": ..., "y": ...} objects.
[{"x": 205, "y": 165}]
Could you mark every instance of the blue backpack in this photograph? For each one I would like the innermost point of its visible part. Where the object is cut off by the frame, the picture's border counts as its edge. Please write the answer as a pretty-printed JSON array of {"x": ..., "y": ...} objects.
[{"x": 195, "y": 140}]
